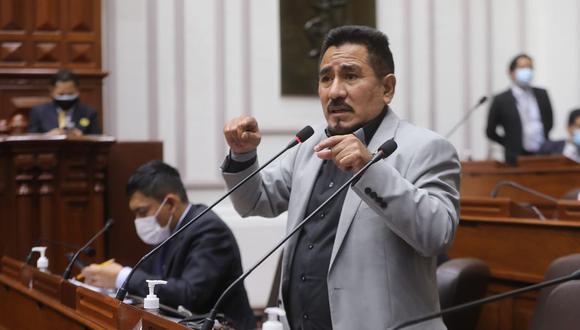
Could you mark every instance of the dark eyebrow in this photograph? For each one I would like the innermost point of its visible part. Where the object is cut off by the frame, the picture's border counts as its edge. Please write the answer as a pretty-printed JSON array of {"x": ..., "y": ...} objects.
[
  {"x": 350, "y": 68},
  {"x": 324, "y": 71}
]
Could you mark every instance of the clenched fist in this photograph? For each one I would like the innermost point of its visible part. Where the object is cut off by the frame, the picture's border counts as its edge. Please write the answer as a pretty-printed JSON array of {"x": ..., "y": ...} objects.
[{"x": 242, "y": 134}]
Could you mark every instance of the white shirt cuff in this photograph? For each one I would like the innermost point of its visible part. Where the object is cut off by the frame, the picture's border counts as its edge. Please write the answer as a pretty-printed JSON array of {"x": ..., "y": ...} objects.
[{"x": 122, "y": 276}]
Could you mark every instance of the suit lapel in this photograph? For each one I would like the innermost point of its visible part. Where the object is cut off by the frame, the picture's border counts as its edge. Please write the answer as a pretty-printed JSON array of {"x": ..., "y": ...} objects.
[
  {"x": 305, "y": 179},
  {"x": 173, "y": 247},
  {"x": 352, "y": 202}
]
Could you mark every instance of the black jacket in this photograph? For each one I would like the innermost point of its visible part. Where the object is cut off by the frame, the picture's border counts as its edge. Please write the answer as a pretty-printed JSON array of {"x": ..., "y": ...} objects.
[
  {"x": 44, "y": 117},
  {"x": 198, "y": 266},
  {"x": 504, "y": 112}
]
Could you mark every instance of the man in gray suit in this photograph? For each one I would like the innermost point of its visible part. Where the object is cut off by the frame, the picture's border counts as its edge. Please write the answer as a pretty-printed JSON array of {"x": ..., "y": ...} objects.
[{"x": 368, "y": 260}]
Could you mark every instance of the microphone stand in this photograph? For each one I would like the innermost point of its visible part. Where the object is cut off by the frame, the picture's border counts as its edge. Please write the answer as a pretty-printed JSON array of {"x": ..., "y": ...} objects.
[
  {"x": 68, "y": 269},
  {"x": 465, "y": 117},
  {"x": 574, "y": 276},
  {"x": 304, "y": 134},
  {"x": 523, "y": 188},
  {"x": 385, "y": 150}
]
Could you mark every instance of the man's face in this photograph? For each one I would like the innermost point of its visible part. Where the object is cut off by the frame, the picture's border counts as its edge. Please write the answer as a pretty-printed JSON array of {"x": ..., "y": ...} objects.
[
  {"x": 143, "y": 206},
  {"x": 64, "y": 88},
  {"x": 575, "y": 126},
  {"x": 350, "y": 93},
  {"x": 522, "y": 62}
]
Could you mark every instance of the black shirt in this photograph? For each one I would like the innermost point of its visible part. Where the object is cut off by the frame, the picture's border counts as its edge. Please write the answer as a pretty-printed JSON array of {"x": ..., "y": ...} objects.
[{"x": 307, "y": 296}]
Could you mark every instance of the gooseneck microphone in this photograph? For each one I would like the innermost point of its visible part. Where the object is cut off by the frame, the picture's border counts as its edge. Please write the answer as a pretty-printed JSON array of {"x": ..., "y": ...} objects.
[
  {"x": 574, "y": 276},
  {"x": 482, "y": 100},
  {"x": 385, "y": 150},
  {"x": 523, "y": 188},
  {"x": 300, "y": 137},
  {"x": 69, "y": 267},
  {"x": 88, "y": 251}
]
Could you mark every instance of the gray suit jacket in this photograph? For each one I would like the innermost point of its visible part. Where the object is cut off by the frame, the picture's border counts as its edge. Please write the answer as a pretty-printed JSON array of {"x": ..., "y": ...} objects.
[{"x": 383, "y": 263}]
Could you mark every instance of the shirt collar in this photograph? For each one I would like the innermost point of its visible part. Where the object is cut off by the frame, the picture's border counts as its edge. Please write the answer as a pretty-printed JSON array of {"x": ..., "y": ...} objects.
[
  {"x": 183, "y": 216},
  {"x": 369, "y": 129}
]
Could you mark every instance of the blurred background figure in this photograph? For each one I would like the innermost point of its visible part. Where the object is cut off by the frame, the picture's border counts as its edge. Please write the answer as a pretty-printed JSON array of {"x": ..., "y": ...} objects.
[
  {"x": 568, "y": 147},
  {"x": 65, "y": 114},
  {"x": 524, "y": 112}
]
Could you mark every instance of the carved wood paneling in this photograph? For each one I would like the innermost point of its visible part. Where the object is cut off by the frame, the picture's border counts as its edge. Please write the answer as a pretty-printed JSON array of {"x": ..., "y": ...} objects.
[
  {"x": 60, "y": 33},
  {"x": 12, "y": 16},
  {"x": 46, "y": 16}
]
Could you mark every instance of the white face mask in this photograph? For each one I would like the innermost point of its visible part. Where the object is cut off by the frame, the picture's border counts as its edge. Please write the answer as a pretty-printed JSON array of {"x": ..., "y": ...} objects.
[
  {"x": 524, "y": 76},
  {"x": 149, "y": 231}
]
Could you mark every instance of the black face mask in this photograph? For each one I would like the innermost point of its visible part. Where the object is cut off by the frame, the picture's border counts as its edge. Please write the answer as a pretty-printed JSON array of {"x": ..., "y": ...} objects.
[{"x": 65, "y": 102}]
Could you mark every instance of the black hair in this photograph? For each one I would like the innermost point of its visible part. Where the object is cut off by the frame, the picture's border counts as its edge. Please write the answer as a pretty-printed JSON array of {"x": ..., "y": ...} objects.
[
  {"x": 572, "y": 117},
  {"x": 376, "y": 42},
  {"x": 156, "y": 179},
  {"x": 514, "y": 61},
  {"x": 64, "y": 75}
]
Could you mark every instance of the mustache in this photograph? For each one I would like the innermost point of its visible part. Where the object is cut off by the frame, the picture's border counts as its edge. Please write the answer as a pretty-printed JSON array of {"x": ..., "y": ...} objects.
[{"x": 339, "y": 105}]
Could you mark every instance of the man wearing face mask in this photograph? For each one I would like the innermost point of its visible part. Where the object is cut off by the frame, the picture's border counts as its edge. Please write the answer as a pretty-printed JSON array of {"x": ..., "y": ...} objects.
[
  {"x": 524, "y": 112},
  {"x": 198, "y": 264},
  {"x": 570, "y": 148},
  {"x": 65, "y": 114}
]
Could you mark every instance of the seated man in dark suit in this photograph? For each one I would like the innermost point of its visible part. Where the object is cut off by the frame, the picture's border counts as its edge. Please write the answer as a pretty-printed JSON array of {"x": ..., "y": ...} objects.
[
  {"x": 570, "y": 147},
  {"x": 65, "y": 114},
  {"x": 198, "y": 264},
  {"x": 524, "y": 112}
]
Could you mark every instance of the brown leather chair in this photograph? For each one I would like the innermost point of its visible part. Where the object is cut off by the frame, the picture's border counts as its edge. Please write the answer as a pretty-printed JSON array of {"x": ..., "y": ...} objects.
[
  {"x": 459, "y": 281},
  {"x": 557, "y": 307}
]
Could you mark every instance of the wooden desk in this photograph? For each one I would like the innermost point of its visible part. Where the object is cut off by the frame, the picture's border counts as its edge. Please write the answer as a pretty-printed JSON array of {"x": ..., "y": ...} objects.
[
  {"x": 552, "y": 175},
  {"x": 518, "y": 250},
  {"x": 24, "y": 307},
  {"x": 51, "y": 187}
]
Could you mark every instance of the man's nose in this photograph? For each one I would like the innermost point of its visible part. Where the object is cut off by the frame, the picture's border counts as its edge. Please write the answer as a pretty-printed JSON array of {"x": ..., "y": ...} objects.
[{"x": 337, "y": 89}]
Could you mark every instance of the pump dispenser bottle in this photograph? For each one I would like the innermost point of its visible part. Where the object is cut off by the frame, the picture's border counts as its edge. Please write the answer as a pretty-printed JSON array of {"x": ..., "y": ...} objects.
[
  {"x": 42, "y": 262},
  {"x": 151, "y": 302},
  {"x": 274, "y": 315}
]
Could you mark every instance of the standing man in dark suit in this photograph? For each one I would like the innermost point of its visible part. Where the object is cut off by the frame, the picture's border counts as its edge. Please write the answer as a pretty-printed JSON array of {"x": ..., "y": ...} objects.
[
  {"x": 65, "y": 114},
  {"x": 524, "y": 112},
  {"x": 198, "y": 265}
]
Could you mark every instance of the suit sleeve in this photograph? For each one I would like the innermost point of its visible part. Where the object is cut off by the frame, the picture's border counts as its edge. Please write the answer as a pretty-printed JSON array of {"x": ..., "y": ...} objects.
[
  {"x": 208, "y": 263},
  {"x": 549, "y": 121},
  {"x": 34, "y": 120},
  {"x": 421, "y": 207},
  {"x": 93, "y": 127},
  {"x": 493, "y": 121},
  {"x": 266, "y": 194}
]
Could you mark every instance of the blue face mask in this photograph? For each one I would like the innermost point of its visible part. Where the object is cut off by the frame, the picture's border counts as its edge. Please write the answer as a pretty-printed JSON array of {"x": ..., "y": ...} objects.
[
  {"x": 576, "y": 137},
  {"x": 524, "y": 76}
]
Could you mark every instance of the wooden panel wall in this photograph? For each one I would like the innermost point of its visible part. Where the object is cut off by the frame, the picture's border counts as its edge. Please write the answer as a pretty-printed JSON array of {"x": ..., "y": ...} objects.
[{"x": 38, "y": 37}]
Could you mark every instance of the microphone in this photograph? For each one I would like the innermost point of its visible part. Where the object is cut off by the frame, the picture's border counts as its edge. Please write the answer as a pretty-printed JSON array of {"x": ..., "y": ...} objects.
[
  {"x": 303, "y": 135},
  {"x": 68, "y": 269},
  {"x": 89, "y": 251},
  {"x": 523, "y": 188},
  {"x": 482, "y": 100},
  {"x": 574, "y": 276},
  {"x": 385, "y": 150}
]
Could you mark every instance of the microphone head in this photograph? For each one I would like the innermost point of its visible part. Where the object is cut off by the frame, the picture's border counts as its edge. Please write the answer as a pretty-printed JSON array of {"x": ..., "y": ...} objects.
[
  {"x": 304, "y": 134},
  {"x": 109, "y": 223},
  {"x": 482, "y": 100},
  {"x": 388, "y": 148}
]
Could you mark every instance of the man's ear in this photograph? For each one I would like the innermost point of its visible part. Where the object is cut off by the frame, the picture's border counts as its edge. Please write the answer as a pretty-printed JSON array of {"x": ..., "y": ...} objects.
[
  {"x": 173, "y": 201},
  {"x": 389, "y": 83}
]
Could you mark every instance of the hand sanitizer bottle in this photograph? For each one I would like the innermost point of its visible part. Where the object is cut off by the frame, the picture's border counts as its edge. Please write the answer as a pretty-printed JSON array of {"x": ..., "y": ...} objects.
[
  {"x": 42, "y": 262},
  {"x": 273, "y": 323},
  {"x": 151, "y": 302}
]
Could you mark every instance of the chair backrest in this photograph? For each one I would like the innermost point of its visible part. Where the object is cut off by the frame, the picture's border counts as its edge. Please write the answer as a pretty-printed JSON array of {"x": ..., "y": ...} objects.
[
  {"x": 560, "y": 267},
  {"x": 460, "y": 281},
  {"x": 560, "y": 309}
]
